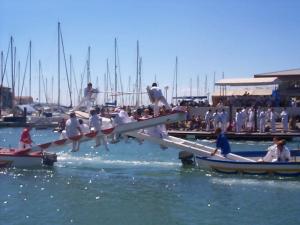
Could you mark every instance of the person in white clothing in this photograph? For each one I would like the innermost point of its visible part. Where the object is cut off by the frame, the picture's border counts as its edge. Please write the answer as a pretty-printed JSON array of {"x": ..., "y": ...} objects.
[
  {"x": 244, "y": 118},
  {"x": 251, "y": 119},
  {"x": 95, "y": 123},
  {"x": 89, "y": 96},
  {"x": 224, "y": 120},
  {"x": 216, "y": 119},
  {"x": 277, "y": 152},
  {"x": 272, "y": 116},
  {"x": 262, "y": 121},
  {"x": 73, "y": 131},
  {"x": 157, "y": 96},
  {"x": 84, "y": 127},
  {"x": 238, "y": 121},
  {"x": 285, "y": 120},
  {"x": 207, "y": 119},
  {"x": 271, "y": 152}
]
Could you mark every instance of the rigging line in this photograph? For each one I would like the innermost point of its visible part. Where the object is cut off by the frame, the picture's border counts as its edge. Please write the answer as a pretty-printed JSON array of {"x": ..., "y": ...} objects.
[
  {"x": 25, "y": 70},
  {"x": 4, "y": 71},
  {"x": 66, "y": 68}
]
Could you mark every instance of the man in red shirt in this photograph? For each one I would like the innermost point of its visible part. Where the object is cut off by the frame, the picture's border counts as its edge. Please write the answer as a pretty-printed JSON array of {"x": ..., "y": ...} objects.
[{"x": 25, "y": 140}]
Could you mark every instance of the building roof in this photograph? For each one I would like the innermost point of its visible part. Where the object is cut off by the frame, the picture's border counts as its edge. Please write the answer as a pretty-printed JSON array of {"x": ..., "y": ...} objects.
[
  {"x": 281, "y": 74},
  {"x": 258, "y": 91},
  {"x": 247, "y": 81}
]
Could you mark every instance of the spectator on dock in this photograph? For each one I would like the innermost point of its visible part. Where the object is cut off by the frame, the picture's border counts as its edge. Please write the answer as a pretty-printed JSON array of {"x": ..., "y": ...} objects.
[
  {"x": 238, "y": 121},
  {"x": 221, "y": 143},
  {"x": 284, "y": 120},
  {"x": 251, "y": 119},
  {"x": 216, "y": 119},
  {"x": 224, "y": 120},
  {"x": 207, "y": 119},
  {"x": 262, "y": 121},
  {"x": 25, "y": 140},
  {"x": 73, "y": 131},
  {"x": 272, "y": 116}
]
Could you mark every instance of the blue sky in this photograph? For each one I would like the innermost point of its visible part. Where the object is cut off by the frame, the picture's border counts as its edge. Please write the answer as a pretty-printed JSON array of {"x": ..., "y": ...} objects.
[{"x": 239, "y": 38}]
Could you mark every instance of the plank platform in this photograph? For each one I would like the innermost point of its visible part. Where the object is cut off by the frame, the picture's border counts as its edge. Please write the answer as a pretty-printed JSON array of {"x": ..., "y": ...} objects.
[{"x": 232, "y": 135}]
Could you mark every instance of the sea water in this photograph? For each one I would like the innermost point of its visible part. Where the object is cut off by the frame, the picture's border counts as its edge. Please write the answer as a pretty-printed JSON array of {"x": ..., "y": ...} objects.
[{"x": 138, "y": 184}]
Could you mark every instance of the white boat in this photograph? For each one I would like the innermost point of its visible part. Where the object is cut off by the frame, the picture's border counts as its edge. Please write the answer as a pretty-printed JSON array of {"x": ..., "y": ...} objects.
[
  {"x": 291, "y": 168},
  {"x": 238, "y": 162},
  {"x": 26, "y": 157}
]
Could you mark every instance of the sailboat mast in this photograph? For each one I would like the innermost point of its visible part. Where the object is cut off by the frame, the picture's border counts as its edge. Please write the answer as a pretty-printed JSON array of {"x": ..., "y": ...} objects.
[
  {"x": 137, "y": 73},
  {"x": 58, "y": 64},
  {"x": 12, "y": 70},
  {"x": 30, "y": 68},
  {"x": 39, "y": 81},
  {"x": 140, "y": 81},
  {"x": 88, "y": 65},
  {"x": 116, "y": 78},
  {"x": 176, "y": 76},
  {"x": 71, "y": 75},
  {"x": 19, "y": 76},
  {"x": 197, "y": 85},
  {"x": 107, "y": 80}
]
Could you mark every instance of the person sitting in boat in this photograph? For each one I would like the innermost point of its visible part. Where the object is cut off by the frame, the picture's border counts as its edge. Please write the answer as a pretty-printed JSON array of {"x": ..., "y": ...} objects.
[
  {"x": 277, "y": 152},
  {"x": 73, "y": 131},
  {"x": 95, "y": 124},
  {"x": 156, "y": 97},
  {"x": 25, "y": 140},
  {"x": 221, "y": 143}
]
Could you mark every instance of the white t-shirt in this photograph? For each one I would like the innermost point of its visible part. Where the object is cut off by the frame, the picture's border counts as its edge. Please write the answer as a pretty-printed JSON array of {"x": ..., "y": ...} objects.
[
  {"x": 156, "y": 93},
  {"x": 95, "y": 122},
  {"x": 72, "y": 125}
]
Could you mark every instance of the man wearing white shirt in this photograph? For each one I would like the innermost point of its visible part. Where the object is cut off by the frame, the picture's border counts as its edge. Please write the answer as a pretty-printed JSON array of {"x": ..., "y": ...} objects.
[
  {"x": 285, "y": 120},
  {"x": 156, "y": 97},
  {"x": 95, "y": 123},
  {"x": 273, "y": 120},
  {"x": 262, "y": 121},
  {"x": 73, "y": 131},
  {"x": 207, "y": 119}
]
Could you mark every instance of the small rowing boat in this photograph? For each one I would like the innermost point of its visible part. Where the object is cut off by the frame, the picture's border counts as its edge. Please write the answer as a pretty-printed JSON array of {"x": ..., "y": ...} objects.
[
  {"x": 226, "y": 165},
  {"x": 25, "y": 158}
]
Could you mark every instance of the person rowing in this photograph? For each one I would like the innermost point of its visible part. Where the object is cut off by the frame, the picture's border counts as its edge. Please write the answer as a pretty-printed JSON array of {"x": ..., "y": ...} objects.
[{"x": 221, "y": 143}]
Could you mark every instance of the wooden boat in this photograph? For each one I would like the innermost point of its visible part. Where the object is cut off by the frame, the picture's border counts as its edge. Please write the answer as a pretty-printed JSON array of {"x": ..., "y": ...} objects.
[
  {"x": 26, "y": 158},
  {"x": 255, "y": 168},
  {"x": 193, "y": 153}
]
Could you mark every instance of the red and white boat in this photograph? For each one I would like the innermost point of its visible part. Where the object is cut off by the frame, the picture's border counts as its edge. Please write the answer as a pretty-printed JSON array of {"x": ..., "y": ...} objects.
[{"x": 10, "y": 157}]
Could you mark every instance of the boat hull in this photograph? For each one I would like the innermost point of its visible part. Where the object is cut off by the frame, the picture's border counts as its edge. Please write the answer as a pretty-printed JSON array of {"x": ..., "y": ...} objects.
[
  {"x": 25, "y": 158},
  {"x": 255, "y": 168}
]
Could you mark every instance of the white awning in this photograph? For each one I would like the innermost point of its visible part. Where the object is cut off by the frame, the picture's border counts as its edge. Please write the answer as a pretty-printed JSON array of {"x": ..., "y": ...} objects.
[{"x": 248, "y": 81}]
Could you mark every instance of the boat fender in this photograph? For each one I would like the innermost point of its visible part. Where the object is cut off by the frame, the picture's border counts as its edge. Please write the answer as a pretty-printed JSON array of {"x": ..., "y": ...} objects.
[
  {"x": 186, "y": 157},
  {"x": 49, "y": 158}
]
